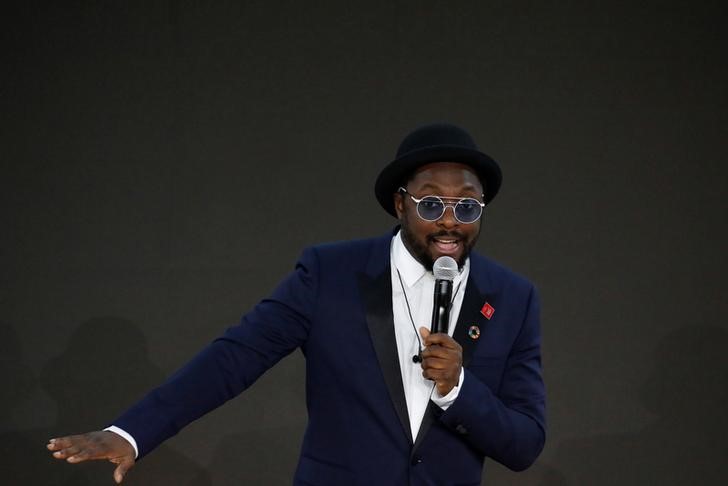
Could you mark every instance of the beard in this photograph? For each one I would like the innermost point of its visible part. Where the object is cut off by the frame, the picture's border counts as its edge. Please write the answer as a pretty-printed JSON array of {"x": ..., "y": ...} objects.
[{"x": 419, "y": 248}]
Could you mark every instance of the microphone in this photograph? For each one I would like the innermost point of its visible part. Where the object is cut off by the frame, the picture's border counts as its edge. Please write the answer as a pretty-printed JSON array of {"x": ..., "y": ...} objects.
[{"x": 445, "y": 270}]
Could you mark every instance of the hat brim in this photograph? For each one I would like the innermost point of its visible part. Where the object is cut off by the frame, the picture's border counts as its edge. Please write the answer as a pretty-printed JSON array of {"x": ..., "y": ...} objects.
[{"x": 394, "y": 174}]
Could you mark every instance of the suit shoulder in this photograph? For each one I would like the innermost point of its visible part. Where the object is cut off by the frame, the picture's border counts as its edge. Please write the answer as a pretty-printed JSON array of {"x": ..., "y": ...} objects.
[
  {"x": 348, "y": 248},
  {"x": 497, "y": 274},
  {"x": 350, "y": 255}
]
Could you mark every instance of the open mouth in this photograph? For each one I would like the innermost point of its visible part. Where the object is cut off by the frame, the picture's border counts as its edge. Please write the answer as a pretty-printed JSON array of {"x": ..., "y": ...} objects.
[{"x": 446, "y": 245}]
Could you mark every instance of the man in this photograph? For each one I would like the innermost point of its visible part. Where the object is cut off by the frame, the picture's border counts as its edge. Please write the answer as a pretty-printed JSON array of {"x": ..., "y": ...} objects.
[{"x": 388, "y": 402}]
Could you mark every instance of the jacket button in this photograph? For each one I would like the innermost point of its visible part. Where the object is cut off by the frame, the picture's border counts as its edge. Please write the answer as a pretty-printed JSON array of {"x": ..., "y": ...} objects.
[
  {"x": 416, "y": 460},
  {"x": 461, "y": 429}
]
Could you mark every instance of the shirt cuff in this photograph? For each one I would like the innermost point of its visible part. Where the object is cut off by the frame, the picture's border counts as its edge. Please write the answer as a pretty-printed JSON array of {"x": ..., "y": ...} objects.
[
  {"x": 123, "y": 433},
  {"x": 447, "y": 400}
]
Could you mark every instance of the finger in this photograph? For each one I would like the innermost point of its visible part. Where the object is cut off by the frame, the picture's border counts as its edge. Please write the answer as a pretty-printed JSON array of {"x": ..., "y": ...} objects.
[
  {"x": 440, "y": 352},
  {"x": 59, "y": 443},
  {"x": 443, "y": 367},
  {"x": 435, "y": 372},
  {"x": 67, "y": 452},
  {"x": 441, "y": 339},
  {"x": 440, "y": 377},
  {"x": 427, "y": 374},
  {"x": 434, "y": 364},
  {"x": 122, "y": 469},
  {"x": 79, "y": 440},
  {"x": 81, "y": 456},
  {"x": 424, "y": 332},
  {"x": 440, "y": 359}
]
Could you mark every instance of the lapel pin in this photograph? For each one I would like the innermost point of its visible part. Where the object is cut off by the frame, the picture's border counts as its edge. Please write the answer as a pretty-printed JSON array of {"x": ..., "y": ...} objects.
[
  {"x": 474, "y": 332},
  {"x": 487, "y": 310}
]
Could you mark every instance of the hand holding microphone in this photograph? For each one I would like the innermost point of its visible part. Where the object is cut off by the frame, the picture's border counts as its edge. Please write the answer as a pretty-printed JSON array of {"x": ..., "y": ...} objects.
[
  {"x": 442, "y": 360},
  {"x": 442, "y": 357}
]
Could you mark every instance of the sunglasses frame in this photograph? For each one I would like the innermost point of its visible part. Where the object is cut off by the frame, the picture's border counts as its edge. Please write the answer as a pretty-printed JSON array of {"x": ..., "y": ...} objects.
[{"x": 446, "y": 202}]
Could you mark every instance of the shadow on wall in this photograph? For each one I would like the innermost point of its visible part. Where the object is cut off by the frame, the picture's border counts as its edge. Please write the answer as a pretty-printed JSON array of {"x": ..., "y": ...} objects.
[
  {"x": 248, "y": 458},
  {"x": 685, "y": 444},
  {"x": 103, "y": 370},
  {"x": 273, "y": 419}
]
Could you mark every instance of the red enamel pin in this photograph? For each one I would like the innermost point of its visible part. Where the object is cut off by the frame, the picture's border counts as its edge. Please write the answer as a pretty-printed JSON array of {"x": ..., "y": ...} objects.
[{"x": 487, "y": 310}]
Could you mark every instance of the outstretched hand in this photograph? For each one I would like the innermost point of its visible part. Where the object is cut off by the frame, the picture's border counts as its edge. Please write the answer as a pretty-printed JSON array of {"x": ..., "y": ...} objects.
[
  {"x": 442, "y": 360},
  {"x": 94, "y": 446}
]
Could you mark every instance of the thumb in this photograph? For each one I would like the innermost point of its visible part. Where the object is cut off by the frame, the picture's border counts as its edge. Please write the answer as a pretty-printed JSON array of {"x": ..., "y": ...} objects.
[
  {"x": 122, "y": 469},
  {"x": 424, "y": 332}
]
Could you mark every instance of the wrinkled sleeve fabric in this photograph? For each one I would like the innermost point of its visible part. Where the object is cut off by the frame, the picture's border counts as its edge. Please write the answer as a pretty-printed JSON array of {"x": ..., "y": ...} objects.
[
  {"x": 231, "y": 363},
  {"x": 508, "y": 424}
]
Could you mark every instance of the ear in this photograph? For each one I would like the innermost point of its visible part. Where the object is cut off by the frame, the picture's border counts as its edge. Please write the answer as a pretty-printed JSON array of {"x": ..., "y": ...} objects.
[{"x": 398, "y": 204}]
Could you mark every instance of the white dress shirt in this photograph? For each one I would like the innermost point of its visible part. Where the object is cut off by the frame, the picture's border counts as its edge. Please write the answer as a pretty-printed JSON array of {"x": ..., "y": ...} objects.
[{"x": 419, "y": 285}]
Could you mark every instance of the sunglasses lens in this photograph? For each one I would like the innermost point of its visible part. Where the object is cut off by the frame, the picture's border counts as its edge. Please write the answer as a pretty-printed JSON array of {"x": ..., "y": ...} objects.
[
  {"x": 430, "y": 208},
  {"x": 468, "y": 210}
]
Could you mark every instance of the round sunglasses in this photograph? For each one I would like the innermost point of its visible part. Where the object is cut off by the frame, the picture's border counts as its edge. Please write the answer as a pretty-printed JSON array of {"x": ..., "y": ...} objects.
[{"x": 431, "y": 208}]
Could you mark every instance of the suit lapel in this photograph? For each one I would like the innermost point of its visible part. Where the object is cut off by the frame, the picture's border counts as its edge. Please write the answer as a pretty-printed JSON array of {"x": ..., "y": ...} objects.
[
  {"x": 469, "y": 316},
  {"x": 376, "y": 291}
]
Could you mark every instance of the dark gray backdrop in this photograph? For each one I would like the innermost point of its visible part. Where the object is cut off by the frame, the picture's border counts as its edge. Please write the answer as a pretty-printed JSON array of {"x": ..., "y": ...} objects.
[{"x": 163, "y": 165}]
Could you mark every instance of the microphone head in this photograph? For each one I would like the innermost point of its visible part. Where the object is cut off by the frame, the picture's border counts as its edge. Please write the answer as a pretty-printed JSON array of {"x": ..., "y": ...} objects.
[{"x": 445, "y": 268}]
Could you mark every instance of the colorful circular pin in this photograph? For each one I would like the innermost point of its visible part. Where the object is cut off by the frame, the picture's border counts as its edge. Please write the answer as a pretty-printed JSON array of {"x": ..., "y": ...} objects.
[{"x": 474, "y": 332}]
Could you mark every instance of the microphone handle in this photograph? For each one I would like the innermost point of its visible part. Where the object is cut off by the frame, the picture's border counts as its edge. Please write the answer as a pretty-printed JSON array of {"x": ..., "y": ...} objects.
[{"x": 441, "y": 306}]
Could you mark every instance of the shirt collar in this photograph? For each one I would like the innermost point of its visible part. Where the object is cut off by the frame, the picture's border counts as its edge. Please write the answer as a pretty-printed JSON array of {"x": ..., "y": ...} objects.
[{"x": 409, "y": 268}]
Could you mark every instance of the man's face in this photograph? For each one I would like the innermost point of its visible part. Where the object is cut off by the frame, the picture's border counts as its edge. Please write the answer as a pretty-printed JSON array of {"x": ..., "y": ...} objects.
[{"x": 429, "y": 240}]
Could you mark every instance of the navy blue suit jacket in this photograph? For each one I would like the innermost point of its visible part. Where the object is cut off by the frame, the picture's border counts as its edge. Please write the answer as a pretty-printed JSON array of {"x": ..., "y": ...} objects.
[{"x": 337, "y": 307}]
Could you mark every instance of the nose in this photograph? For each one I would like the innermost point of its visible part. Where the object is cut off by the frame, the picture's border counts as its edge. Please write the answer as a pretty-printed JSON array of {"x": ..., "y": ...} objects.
[{"x": 447, "y": 220}]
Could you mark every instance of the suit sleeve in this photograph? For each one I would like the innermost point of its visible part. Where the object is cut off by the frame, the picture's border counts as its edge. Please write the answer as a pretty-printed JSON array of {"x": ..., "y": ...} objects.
[
  {"x": 231, "y": 363},
  {"x": 507, "y": 424}
]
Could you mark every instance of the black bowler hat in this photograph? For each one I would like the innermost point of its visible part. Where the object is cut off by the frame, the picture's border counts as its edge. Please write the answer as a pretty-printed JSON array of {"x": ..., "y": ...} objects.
[{"x": 437, "y": 142}]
